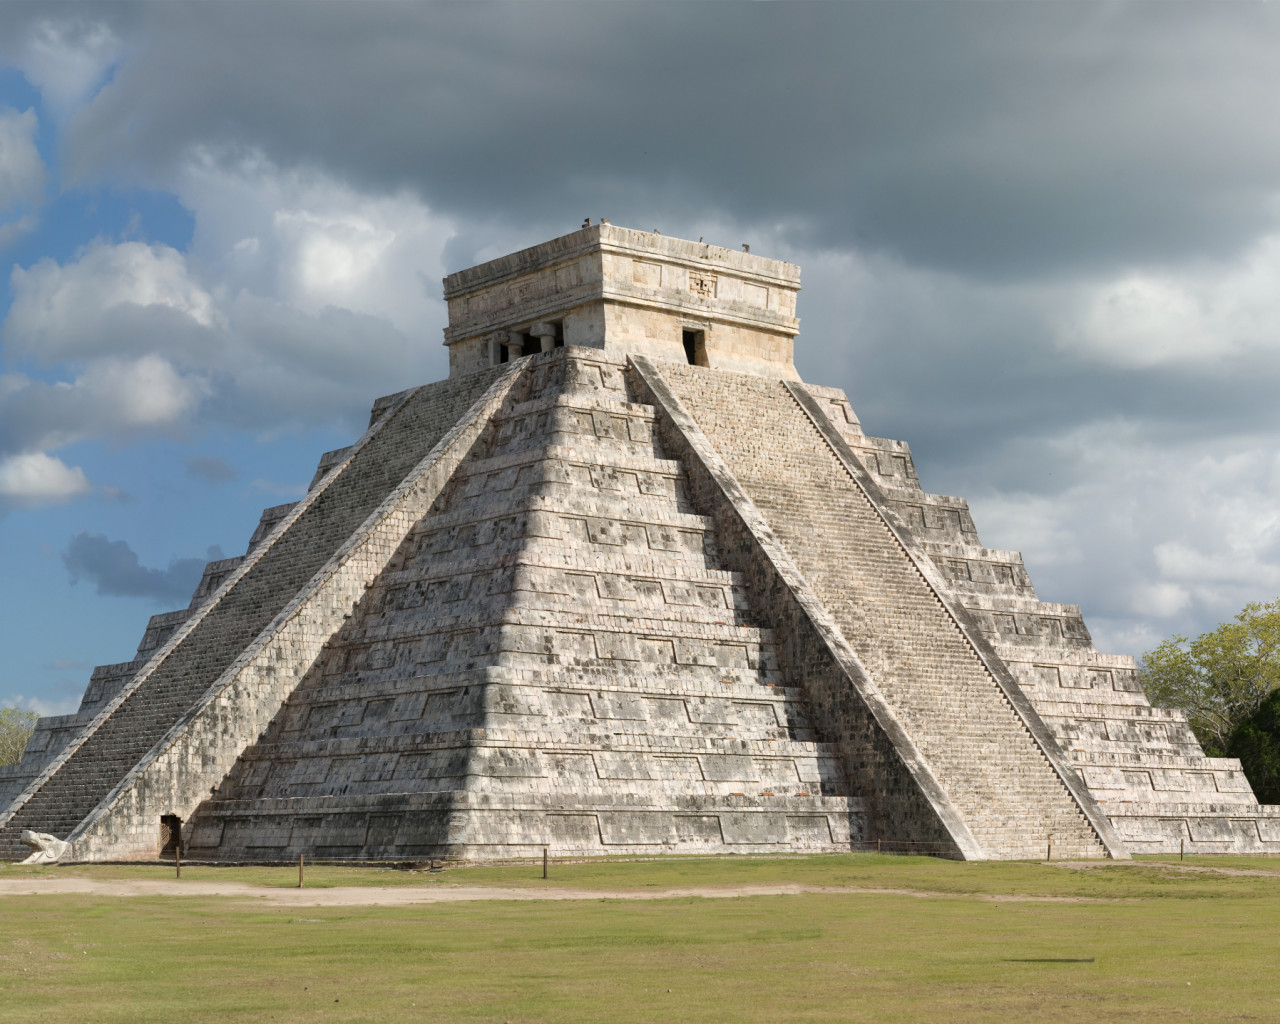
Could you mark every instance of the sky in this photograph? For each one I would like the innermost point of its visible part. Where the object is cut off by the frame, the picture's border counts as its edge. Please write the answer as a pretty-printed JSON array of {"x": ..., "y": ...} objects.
[{"x": 1039, "y": 242}]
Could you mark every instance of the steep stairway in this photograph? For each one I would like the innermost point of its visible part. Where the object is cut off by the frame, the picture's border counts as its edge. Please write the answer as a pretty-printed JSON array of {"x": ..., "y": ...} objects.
[
  {"x": 554, "y": 657},
  {"x": 981, "y": 751},
  {"x": 155, "y": 698},
  {"x": 1143, "y": 765}
]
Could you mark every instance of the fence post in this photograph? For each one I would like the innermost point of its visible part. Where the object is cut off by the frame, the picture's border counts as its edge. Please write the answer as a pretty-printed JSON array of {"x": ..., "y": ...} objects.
[
  {"x": 877, "y": 846},
  {"x": 1182, "y": 847},
  {"x": 1049, "y": 855},
  {"x": 177, "y": 860},
  {"x": 300, "y": 856},
  {"x": 544, "y": 862}
]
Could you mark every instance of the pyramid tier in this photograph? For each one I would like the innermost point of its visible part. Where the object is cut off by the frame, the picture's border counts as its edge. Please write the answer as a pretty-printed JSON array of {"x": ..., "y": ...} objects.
[
  {"x": 557, "y": 658},
  {"x": 1006, "y": 783},
  {"x": 1140, "y": 763}
]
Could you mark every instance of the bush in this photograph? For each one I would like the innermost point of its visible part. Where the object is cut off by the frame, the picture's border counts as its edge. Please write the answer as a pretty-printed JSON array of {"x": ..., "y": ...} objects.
[
  {"x": 16, "y": 727},
  {"x": 1256, "y": 742}
]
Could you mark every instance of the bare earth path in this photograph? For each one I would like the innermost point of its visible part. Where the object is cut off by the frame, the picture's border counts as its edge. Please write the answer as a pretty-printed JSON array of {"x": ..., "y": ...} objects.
[{"x": 355, "y": 896}]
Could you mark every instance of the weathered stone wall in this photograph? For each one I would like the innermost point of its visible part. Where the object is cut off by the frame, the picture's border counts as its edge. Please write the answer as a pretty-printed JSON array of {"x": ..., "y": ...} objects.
[
  {"x": 201, "y": 748},
  {"x": 1141, "y": 764},
  {"x": 205, "y": 647},
  {"x": 904, "y": 801},
  {"x": 629, "y": 292},
  {"x": 978, "y": 741},
  {"x": 553, "y": 658}
]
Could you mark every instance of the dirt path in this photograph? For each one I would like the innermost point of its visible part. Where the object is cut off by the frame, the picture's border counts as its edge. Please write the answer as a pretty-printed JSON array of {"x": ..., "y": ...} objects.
[
  {"x": 405, "y": 895},
  {"x": 1204, "y": 869}
]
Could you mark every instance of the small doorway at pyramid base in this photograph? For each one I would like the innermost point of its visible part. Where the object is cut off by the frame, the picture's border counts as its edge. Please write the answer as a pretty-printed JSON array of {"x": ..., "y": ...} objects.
[{"x": 170, "y": 835}]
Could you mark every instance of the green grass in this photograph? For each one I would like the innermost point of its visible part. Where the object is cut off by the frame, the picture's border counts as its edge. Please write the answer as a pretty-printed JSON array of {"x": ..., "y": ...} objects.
[
  {"x": 1146, "y": 877},
  {"x": 1147, "y": 940}
]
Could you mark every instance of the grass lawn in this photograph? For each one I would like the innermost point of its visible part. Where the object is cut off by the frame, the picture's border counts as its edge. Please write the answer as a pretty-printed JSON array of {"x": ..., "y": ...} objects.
[{"x": 1149, "y": 940}]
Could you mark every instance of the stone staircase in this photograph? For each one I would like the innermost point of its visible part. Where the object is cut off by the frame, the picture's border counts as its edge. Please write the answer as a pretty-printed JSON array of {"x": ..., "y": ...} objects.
[
  {"x": 54, "y": 733},
  {"x": 290, "y": 545},
  {"x": 554, "y": 657},
  {"x": 920, "y": 659},
  {"x": 1143, "y": 765},
  {"x": 558, "y": 654}
]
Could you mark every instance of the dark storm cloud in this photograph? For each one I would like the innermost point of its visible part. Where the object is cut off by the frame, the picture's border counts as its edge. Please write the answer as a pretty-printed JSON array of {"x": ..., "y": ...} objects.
[
  {"x": 991, "y": 138},
  {"x": 1013, "y": 392},
  {"x": 962, "y": 183},
  {"x": 113, "y": 567}
]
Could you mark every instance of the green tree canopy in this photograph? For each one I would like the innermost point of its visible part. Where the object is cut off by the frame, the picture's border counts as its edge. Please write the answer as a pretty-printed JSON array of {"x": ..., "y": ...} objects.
[
  {"x": 1256, "y": 742},
  {"x": 16, "y": 727},
  {"x": 1221, "y": 677}
]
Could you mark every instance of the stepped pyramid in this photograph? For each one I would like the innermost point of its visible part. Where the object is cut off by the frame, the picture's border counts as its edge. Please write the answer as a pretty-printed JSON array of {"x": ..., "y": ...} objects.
[{"x": 622, "y": 583}]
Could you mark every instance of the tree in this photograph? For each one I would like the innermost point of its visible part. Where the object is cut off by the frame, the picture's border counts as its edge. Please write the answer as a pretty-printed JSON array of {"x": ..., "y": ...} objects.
[
  {"x": 1221, "y": 677},
  {"x": 16, "y": 727},
  {"x": 1256, "y": 742}
]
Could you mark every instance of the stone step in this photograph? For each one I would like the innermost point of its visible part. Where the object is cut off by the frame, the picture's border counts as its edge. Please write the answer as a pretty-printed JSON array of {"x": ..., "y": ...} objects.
[
  {"x": 516, "y": 827},
  {"x": 1207, "y": 810},
  {"x": 1092, "y": 748},
  {"x": 526, "y": 508},
  {"x": 614, "y": 403},
  {"x": 685, "y": 563}
]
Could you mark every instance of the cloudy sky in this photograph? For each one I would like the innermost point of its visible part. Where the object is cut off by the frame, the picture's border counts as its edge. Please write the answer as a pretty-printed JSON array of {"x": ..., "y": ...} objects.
[{"x": 1040, "y": 242}]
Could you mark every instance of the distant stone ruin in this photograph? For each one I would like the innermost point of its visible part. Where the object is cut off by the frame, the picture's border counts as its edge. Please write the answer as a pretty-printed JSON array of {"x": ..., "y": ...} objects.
[{"x": 622, "y": 584}]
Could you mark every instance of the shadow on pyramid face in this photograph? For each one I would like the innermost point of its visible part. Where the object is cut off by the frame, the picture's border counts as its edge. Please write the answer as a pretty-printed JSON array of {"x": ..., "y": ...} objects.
[{"x": 555, "y": 655}]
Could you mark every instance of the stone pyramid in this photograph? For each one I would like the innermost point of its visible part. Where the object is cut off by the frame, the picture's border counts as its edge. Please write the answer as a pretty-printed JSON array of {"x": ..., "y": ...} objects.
[{"x": 621, "y": 584}]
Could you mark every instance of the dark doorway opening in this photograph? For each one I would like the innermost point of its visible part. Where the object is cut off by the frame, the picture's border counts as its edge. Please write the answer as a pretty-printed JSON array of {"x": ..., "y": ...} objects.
[
  {"x": 170, "y": 834},
  {"x": 504, "y": 354},
  {"x": 695, "y": 347}
]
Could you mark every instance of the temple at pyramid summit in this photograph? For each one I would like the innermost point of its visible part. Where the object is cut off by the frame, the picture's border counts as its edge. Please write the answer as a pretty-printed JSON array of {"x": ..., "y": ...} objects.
[{"x": 622, "y": 584}]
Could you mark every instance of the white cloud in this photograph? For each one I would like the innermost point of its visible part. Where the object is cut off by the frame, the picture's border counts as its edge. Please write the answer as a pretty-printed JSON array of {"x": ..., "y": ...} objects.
[
  {"x": 310, "y": 241},
  {"x": 43, "y": 706},
  {"x": 16, "y": 229},
  {"x": 90, "y": 307},
  {"x": 1197, "y": 315},
  {"x": 140, "y": 395},
  {"x": 68, "y": 60},
  {"x": 299, "y": 302},
  {"x": 276, "y": 255},
  {"x": 34, "y": 478},
  {"x": 112, "y": 398},
  {"x": 1150, "y": 540},
  {"x": 22, "y": 173},
  {"x": 1159, "y": 600}
]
